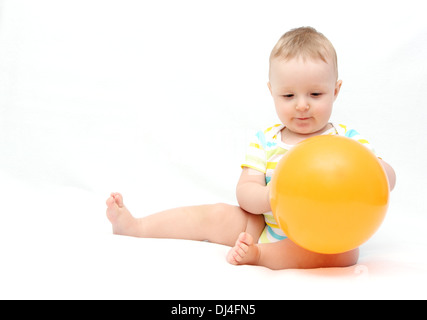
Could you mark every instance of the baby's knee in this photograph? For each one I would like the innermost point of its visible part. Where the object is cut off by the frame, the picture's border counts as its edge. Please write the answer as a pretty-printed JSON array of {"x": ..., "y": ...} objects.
[
  {"x": 211, "y": 213},
  {"x": 216, "y": 212},
  {"x": 220, "y": 208}
]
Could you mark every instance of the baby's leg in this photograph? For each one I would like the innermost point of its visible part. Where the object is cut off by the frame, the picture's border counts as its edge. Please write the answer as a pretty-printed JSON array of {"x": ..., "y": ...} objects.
[
  {"x": 217, "y": 223},
  {"x": 285, "y": 254}
]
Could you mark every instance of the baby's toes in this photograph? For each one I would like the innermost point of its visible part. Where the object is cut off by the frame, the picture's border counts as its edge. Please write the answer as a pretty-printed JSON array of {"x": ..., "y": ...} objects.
[
  {"x": 246, "y": 239},
  {"x": 119, "y": 199},
  {"x": 110, "y": 202},
  {"x": 241, "y": 249}
]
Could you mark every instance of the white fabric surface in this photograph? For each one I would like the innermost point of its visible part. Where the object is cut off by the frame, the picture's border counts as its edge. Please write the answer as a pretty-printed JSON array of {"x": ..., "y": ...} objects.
[{"x": 157, "y": 100}]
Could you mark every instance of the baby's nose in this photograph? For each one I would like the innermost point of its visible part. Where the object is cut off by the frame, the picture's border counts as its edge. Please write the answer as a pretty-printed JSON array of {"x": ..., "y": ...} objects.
[{"x": 302, "y": 106}]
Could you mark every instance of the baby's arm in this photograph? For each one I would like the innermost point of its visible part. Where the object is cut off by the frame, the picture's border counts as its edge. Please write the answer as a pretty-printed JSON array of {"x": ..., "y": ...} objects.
[
  {"x": 252, "y": 193},
  {"x": 390, "y": 174}
]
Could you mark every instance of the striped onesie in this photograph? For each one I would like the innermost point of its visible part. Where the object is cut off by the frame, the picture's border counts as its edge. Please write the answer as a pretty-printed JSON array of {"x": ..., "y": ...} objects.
[{"x": 265, "y": 151}]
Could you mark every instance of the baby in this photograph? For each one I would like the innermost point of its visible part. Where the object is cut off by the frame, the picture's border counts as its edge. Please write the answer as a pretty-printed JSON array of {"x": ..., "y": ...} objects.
[{"x": 303, "y": 81}]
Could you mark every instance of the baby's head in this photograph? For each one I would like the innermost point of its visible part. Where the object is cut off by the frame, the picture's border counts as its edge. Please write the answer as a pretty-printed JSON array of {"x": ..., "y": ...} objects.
[
  {"x": 305, "y": 43},
  {"x": 303, "y": 80}
]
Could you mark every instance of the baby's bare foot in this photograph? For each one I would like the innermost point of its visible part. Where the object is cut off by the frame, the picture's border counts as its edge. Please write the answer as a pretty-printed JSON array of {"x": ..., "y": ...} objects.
[
  {"x": 245, "y": 251},
  {"x": 121, "y": 219}
]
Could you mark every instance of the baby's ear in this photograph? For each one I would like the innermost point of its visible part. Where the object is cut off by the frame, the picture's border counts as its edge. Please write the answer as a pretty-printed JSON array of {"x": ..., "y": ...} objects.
[
  {"x": 269, "y": 87},
  {"x": 337, "y": 88}
]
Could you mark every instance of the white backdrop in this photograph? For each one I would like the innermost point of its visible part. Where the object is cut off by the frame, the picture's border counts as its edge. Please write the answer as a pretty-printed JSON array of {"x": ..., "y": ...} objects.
[{"x": 157, "y": 100}]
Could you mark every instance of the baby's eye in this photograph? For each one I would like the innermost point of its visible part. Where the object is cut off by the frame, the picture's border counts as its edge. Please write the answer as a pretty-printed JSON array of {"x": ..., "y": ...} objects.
[
  {"x": 288, "y": 95},
  {"x": 316, "y": 94}
]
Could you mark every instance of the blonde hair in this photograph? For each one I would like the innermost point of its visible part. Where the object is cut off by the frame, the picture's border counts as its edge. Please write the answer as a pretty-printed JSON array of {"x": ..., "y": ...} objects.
[{"x": 305, "y": 42}]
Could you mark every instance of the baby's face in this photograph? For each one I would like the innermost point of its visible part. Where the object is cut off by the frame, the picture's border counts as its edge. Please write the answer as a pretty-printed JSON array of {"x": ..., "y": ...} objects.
[{"x": 303, "y": 92}]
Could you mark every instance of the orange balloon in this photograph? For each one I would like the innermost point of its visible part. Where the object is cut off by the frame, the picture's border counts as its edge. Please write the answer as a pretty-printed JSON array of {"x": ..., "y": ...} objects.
[{"x": 329, "y": 194}]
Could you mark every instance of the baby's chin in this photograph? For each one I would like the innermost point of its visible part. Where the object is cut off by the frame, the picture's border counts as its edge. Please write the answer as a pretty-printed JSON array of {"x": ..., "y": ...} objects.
[
  {"x": 302, "y": 131},
  {"x": 307, "y": 130},
  {"x": 310, "y": 129}
]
